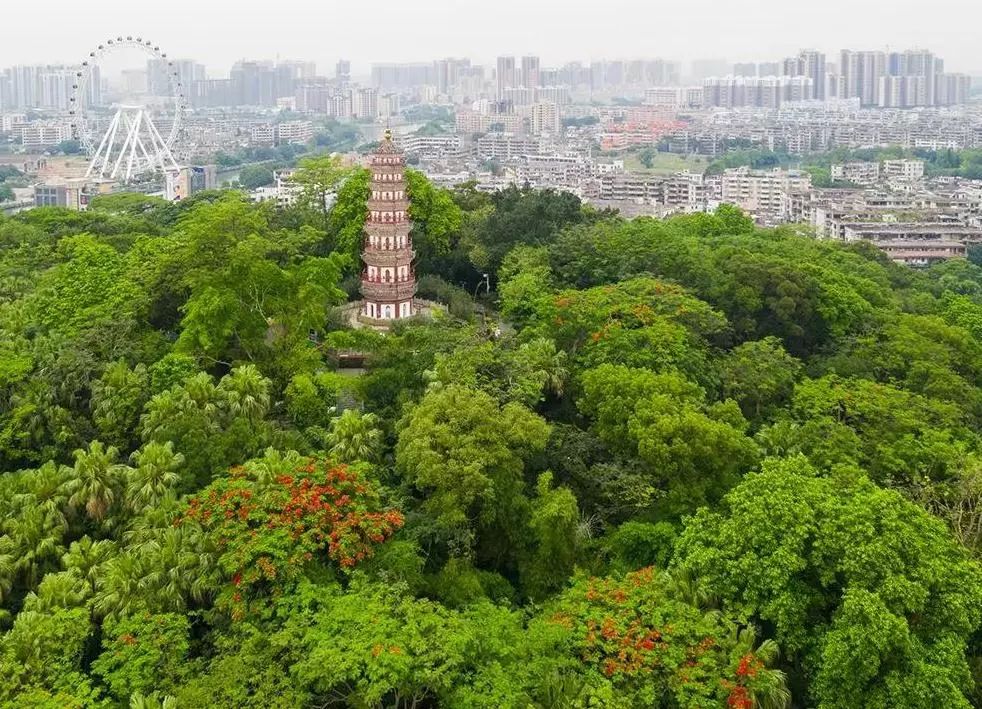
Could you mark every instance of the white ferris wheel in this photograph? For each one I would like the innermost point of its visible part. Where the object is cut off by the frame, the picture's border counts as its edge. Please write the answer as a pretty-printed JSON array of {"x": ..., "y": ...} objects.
[{"x": 132, "y": 145}]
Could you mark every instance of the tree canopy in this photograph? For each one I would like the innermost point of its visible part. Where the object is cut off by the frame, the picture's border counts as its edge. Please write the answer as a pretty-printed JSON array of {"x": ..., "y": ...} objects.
[{"x": 682, "y": 462}]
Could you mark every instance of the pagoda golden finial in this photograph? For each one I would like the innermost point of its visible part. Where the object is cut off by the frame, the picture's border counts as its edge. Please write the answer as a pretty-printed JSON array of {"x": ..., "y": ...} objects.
[{"x": 388, "y": 134}]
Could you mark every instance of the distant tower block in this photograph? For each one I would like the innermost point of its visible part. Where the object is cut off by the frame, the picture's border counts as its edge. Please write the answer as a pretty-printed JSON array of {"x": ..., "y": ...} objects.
[{"x": 388, "y": 283}]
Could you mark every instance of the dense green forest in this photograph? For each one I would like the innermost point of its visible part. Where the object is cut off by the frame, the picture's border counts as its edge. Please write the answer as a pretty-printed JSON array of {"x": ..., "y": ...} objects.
[{"x": 680, "y": 463}]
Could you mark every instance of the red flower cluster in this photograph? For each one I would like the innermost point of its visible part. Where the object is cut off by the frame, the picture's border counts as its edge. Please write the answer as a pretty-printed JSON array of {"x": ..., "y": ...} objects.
[{"x": 267, "y": 534}]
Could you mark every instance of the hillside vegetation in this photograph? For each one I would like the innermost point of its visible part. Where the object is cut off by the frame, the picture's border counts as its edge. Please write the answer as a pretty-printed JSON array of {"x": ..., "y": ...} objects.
[{"x": 680, "y": 463}]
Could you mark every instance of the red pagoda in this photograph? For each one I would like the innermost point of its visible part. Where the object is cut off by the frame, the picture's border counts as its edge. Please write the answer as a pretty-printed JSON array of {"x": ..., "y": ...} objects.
[{"x": 388, "y": 283}]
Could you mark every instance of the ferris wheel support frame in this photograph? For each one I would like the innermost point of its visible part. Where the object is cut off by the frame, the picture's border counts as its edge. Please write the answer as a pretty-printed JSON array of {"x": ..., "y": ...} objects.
[{"x": 135, "y": 121}]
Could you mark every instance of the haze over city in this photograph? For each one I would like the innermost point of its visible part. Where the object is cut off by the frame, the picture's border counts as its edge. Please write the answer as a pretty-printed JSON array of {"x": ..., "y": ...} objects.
[
  {"x": 517, "y": 354},
  {"x": 220, "y": 33}
]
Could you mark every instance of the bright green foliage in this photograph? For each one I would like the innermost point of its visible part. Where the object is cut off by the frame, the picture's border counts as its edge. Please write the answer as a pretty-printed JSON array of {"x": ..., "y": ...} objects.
[
  {"x": 692, "y": 450},
  {"x": 354, "y": 437},
  {"x": 95, "y": 480},
  {"x": 524, "y": 373},
  {"x": 638, "y": 323},
  {"x": 555, "y": 526},
  {"x": 380, "y": 646},
  {"x": 318, "y": 178},
  {"x": 964, "y": 312},
  {"x": 255, "y": 308},
  {"x": 41, "y": 659},
  {"x": 155, "y": 476},
  {"x": 212, "y": 426},
  {"x": 897, "y": 436},
  {"x": 313, "y": 400},
  {"x": 524, "y": 280},
  {"x": 466, "y": 454},
  {"x": 170, "y": 370},
  {"x": 250, "y": 669},
  {"x": 143, "y": 653},
  {"x": 117, "y": 400},
  {"x": 89, "y": 286},
  {"x": 868, "y": 590},
  {"x": 435, "y": 215},
  {"x": 760, "y": 376},
  {"x": 346, "y": 221}
]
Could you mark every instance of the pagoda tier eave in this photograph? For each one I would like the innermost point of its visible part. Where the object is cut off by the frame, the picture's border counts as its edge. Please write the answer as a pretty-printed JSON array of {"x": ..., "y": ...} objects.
[
  {"x": 388, "y": 259},
  {"x": 384, "y": 229},
  {"x": 388, "y": 292},
  {"x": 388, "y": 205}
]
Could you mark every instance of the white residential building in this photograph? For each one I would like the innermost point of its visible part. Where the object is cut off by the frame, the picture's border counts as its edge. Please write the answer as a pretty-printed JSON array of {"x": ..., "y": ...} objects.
[
  {"x": 906, "y": 169},
  {"x": 763, "y": 194}
]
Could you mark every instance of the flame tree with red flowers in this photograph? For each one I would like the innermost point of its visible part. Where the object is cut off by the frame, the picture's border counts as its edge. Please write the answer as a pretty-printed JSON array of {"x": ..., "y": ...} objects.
[
  {"x": 653, "y": 644},
  {"x": 267, "y": 535}
]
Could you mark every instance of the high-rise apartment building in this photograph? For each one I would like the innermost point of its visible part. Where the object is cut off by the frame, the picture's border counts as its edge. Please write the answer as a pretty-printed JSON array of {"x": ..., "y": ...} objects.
[
  {"x": 342, "y": 71},
  {"x": 505, "y": 75},
  {"x": 861, "y": 75},
  {"x": 161, "y": 79},
  {"x": 46, "y": 87},
  {"x": 364, "y": 103},
  {"x": 530, "y": 72},
  {"x": 391, "y": 77},
  {"x": 811, "y": 64},
  {"x": 544, "y": 118}
]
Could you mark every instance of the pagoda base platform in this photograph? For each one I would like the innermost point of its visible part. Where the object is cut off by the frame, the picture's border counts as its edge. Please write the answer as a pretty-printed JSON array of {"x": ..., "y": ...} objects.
[{"x": 353, "y": 315}]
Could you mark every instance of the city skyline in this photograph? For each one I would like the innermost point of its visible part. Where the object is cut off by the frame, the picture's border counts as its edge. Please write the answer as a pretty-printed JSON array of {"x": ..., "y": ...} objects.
[{"x": 557, "y": 33}]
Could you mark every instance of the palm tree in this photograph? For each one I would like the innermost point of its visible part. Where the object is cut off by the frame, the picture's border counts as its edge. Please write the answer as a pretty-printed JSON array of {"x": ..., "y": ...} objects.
[
  {"x": 61, "y": 590},
  {"x": 355, "y": 437},
  {"x": 46, "y": 490},
  {"x": 246, "y": 393},
  {"x": 273, "y": 464},
  {"x": 556, "y": 372},
  {"x": 7, "y": 567},
  {"x": 86, "y": 558},
  {"x": 770, "y": 686},
  {"x": 683, "y": 585},
  {"x": 95, "y": 479},
  {"x": 155, "y": 475},
  {"x": 176, "y": 568},
  {"x": 152, "y": 701},
  {"x": 31, "y": 547},
  {"x": 120, "y": 590}
]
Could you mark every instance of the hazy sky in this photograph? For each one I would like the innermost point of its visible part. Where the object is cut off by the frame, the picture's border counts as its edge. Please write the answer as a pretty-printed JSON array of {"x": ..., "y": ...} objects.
[{"x": 218, "y": 32}]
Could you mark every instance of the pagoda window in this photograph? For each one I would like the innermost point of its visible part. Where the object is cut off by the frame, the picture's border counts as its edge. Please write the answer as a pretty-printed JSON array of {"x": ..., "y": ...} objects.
[{"x": 388, "y": 312}]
